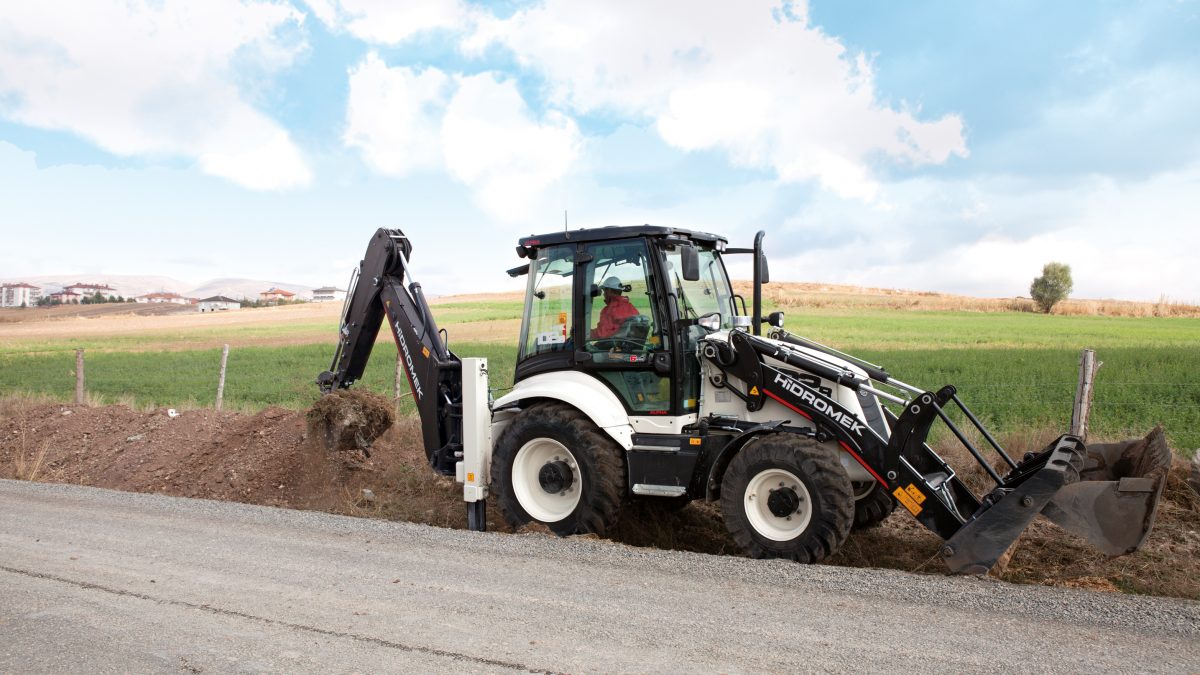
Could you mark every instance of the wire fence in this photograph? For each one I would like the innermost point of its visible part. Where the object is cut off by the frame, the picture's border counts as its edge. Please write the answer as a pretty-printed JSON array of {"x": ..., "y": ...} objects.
[{"x": 1122, "y": 405}]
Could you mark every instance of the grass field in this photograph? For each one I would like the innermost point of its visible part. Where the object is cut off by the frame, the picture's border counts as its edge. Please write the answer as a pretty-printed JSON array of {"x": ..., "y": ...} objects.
[{"x": 1015, "y": 369}]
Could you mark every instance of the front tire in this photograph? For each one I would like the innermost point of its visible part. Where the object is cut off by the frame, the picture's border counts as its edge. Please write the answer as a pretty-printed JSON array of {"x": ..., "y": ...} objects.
[
  {"x": 872, "y": 505},
  {"x": 787, "y": 496},
  {"x": 554, "y": 466}
]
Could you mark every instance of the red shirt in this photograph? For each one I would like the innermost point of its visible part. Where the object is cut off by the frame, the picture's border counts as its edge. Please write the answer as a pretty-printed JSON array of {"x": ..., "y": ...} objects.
[{"x": 613, "y": 315}]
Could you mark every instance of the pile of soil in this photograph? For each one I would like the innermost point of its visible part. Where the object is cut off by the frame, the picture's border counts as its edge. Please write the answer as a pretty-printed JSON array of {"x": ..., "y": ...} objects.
[
  {"x": 269, "y": 459},
  {"x": 349, "y": 420}
]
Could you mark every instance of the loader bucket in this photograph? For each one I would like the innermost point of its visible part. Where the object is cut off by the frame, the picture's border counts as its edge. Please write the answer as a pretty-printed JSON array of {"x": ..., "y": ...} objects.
[
  {"x": 1112, "y": 505},
  {"x": 1106, "y": 493}
]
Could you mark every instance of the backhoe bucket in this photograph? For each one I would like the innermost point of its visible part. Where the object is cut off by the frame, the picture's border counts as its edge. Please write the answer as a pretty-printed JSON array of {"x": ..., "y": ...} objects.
[
  {"x": 1105, "y": 493},
  {"x": 1112, "y": 505}
]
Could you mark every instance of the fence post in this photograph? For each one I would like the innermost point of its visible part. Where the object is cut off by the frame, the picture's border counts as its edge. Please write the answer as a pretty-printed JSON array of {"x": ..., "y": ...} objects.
[
  {"x": 1083, "y": 394},
  {"x": 221, "y": 379},
  {"x": 78, "y": 377}
]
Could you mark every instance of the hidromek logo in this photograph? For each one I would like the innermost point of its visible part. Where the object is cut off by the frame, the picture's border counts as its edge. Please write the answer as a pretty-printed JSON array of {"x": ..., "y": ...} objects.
[
  {"x": 823, "y": 406},
  {"x": 408, "y": 362}
]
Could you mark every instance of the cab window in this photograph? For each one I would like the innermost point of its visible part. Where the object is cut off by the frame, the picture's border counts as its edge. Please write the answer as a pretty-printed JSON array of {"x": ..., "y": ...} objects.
[
  {"x": 547, "y": 325},
  {"x": 619, "y": 306}
]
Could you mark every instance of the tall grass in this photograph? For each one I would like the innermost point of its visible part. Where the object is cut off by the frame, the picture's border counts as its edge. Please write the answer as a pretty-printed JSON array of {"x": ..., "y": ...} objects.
[{"x": 1014, "y": 368}]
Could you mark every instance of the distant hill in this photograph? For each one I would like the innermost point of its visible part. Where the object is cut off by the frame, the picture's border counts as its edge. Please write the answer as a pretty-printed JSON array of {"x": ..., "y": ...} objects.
[
  {"x": 128, "y": 285},
  {"x": 248, "y": 289}
]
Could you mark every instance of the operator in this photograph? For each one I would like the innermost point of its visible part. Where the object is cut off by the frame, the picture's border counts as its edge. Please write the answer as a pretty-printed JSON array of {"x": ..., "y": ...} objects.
[{"x": 617, "y": 309}]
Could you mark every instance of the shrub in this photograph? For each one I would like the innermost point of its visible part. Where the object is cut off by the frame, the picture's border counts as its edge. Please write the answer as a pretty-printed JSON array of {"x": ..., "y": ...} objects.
[{"x": 1052, "y": 287}]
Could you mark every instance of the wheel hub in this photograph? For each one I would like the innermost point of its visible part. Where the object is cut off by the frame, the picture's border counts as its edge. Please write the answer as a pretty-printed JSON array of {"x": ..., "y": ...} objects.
[
  {"x": 783, "y": 502},
  {"x": 777, "y": 504},
  {"x": 555, "y": 476}
]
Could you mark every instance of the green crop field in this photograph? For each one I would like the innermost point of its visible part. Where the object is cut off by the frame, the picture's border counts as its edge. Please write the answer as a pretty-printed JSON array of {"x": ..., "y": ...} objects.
[{"x": 1015, "y": 370}]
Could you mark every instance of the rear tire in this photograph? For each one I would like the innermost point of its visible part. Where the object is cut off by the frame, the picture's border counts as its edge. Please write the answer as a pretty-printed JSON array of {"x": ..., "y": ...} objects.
[
  {"x": 554, "y": 466},
  {"x": 787, "y": 496},
  {"x": 872, "y": 507}
]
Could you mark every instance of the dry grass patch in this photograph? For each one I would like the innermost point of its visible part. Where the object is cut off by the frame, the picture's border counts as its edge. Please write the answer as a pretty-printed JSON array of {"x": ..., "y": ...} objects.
[{"x": 835, "y": 296}]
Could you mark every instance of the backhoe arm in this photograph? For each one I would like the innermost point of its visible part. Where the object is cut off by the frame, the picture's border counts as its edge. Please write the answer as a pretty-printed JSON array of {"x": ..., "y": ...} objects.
[{"x": 434, "y": 372}]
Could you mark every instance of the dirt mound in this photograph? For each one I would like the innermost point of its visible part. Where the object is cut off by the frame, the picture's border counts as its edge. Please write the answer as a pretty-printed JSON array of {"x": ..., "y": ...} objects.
[
  {"x": 267, "y": 459},
  {"x": 259, "y": 459},
  {"x": 350, "y": 420}
]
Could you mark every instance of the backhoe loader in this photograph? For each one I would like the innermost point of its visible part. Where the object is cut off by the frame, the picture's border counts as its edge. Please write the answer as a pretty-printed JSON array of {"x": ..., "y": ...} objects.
[{"x": 681, "y": 396}]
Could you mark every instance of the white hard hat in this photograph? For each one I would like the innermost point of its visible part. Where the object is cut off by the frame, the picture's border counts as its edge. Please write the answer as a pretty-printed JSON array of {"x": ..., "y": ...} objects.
[{"x": 613, "y": 283}]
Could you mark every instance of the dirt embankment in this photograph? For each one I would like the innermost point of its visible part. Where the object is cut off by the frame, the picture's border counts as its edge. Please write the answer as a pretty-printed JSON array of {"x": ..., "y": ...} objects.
[{"x": 266, "y": 459}]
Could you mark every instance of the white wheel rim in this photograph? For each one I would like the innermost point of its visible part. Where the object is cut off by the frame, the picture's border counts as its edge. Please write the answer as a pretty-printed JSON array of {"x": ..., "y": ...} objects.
[
  {"x": 767, "y": 524},
  {"x": 541, "y": 505}
]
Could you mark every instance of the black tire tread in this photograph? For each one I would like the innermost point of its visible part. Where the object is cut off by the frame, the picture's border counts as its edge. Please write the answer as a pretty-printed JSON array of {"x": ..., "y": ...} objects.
[
  {"x": 822, "y": 466},
  {"x": 599, "y": 506},
  {"x": 872, "y": 510}
]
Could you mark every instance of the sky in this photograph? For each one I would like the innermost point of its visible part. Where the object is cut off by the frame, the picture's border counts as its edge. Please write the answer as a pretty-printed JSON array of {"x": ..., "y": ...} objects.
[{"x": 928, "y": 145}]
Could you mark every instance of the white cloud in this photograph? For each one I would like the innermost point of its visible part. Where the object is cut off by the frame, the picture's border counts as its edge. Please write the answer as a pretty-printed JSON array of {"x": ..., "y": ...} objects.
[
  {"x": 387, "y": 22},
  {"x": 493, "y": 143},
  {"x": 991, "y": 237},
  {"x": 477, "y": 128},
  {"x": 156, "y": 79},
  {"x": 393, "y": 115},
  {"x": 746, "y": 78}
]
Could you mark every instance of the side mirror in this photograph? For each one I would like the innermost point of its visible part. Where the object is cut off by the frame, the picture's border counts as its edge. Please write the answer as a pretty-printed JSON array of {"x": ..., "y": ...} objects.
[
  {"x": 762, "y": 268},
  {"x": 690, "y": 259}
]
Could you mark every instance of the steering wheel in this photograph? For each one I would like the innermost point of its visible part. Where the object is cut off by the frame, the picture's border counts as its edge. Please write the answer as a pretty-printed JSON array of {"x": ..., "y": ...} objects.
[{"x": 621, "y": 344}]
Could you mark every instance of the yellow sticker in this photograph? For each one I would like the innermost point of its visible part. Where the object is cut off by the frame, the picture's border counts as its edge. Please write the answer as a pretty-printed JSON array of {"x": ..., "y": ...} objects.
[
  {"x": 425, "y": 351},
  {"x": 916, "y": 494},
  {"x": 562, "y": 317},
  {"x": 906, "y": 499},
  {"x": 470, "y": 477},
  {"x": 694, "y": 441},
  {"x": 754, "y": 391}
]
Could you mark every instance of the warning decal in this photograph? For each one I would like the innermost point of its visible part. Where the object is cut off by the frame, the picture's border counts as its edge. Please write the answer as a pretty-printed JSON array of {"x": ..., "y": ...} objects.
[
  {"x": 754, "y": 391},
  {"x": 906, "y": 499},
  {"x": 917, "y": 495}
]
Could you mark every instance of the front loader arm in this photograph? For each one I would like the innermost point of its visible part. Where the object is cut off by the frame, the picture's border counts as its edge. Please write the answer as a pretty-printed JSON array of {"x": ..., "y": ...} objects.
[
  {"x": 1107, "y": 494},
  {"x": 433, "y": 371}
]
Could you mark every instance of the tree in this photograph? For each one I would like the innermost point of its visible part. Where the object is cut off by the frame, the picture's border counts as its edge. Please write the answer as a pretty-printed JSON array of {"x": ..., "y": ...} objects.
[{"x": 1052, "y": 287}]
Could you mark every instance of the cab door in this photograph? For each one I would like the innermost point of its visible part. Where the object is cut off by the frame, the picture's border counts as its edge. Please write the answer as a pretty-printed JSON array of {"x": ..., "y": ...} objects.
[{"x": 621, "y": 324}]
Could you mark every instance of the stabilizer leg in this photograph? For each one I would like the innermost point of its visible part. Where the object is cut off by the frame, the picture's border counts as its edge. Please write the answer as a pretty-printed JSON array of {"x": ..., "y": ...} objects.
[{"x": 477, "y": 516}]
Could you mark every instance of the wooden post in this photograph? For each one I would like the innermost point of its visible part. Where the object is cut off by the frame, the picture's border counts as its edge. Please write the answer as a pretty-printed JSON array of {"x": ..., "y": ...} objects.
[
  {"x": 78, "y": 377},
  {"x": 1083, "y": 394},
  {"x": 221, "y": 379}
]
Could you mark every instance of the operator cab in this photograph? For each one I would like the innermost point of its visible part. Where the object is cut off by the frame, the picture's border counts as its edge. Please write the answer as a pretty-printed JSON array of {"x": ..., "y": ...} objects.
[{"x": 626, "y": 305}]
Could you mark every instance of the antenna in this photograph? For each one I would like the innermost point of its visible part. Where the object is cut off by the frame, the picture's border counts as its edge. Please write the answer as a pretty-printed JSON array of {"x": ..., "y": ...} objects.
[{"x": 564, "y": 220}]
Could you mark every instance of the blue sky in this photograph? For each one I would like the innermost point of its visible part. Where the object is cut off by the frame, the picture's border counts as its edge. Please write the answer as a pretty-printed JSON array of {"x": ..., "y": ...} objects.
[{"x": 945, "y": 146}]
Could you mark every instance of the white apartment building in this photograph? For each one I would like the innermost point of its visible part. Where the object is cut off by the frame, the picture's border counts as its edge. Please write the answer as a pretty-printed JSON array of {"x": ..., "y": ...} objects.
[
  {"x": 328, "y": 294},
  {"x": 19, "y": 295}
]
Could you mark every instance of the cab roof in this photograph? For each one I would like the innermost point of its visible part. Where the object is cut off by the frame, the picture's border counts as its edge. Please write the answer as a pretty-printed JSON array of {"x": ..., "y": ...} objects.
[{"x": 616, "y": 232}]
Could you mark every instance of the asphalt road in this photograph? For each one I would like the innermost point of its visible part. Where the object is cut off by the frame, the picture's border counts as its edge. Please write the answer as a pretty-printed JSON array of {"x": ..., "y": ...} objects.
[{"x": 100, "y": 581}]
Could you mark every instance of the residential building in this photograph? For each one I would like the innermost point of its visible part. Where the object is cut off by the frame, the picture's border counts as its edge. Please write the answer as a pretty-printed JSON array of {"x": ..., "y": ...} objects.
[
  {"x": 328, "y": 294},
  {"x": 158, "y": 298},
  {"x": 66, "y": 298},
  {"x": 219, "y": 303},
  {"x": 90, "y": 290},
  {"x": 276, "y": 295},
  {"x": 19, "y": 295}
]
